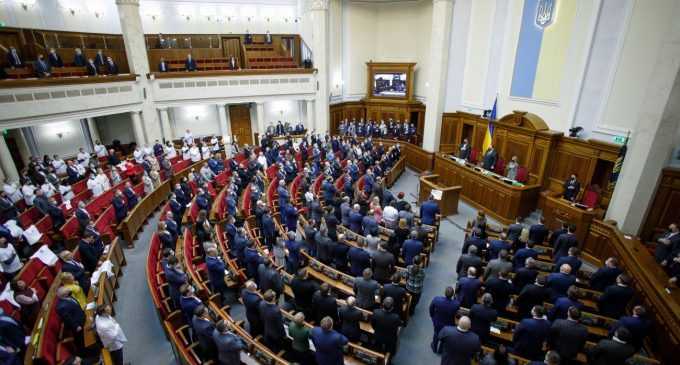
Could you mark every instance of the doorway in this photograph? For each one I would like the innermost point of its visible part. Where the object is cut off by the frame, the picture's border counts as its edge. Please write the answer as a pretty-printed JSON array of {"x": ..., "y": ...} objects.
[{"x": 240, "y": 124}]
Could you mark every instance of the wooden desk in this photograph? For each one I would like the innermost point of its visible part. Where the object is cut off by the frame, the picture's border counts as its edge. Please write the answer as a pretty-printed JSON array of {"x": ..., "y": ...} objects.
[
  {"x": 486, "y": 191},
  {"x": 448, "y": 205},
  {"x": 557, "y": 210}
]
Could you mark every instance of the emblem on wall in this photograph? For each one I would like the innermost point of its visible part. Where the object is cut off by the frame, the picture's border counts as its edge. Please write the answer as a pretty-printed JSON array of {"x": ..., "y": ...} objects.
[{"x": 545, "y": 13}]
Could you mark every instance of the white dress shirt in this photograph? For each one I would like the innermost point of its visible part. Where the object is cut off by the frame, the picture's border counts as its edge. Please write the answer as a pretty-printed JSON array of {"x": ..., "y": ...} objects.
[
  {"x": 59, "y": 167},
  {"x": 101, "y": 150},
  {"x": 110, "y": 333},
  {"x": 12, "y": 192},
  {"x": 138, "y": 155},
  {"x": 194, "y": 154}
]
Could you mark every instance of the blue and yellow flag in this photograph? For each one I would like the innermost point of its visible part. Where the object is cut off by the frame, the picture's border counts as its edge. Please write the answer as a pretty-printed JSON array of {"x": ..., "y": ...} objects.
[
  {"x": 616, "y": 171},
  {"x": 488, "y": 137}
]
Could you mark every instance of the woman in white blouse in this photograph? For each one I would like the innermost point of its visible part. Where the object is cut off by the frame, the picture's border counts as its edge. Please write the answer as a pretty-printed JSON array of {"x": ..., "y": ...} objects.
[
  {"x": 115, "y": 176},
  {"x": 100, "y": 149},
  {"x": 148, "y": 184},
  {"x": 103, "y": 180},
  {"x": 29, "y": 193},
  {"x": 110, "y": 333},
  {"x": 95, "y": 186},
  {"x": 169, "y": 150},
  {"x": 59, "y": 165},
  {"x": 66, "y": 192},
  {"x": 194, "y": 153},
  {"x": 9, "y": 260}
]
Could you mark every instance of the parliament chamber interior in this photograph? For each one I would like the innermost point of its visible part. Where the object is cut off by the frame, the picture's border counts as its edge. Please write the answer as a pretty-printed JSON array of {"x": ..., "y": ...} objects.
[{"x": 329, "y": 182}]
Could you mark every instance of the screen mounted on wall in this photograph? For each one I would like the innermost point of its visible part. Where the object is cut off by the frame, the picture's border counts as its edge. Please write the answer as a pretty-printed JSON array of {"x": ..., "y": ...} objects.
[{"x": 389, "y": 84}]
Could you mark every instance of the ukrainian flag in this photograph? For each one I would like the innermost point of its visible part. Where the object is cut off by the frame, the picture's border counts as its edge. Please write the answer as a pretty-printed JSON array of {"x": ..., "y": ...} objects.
[
  {"x": 541, "y": 54},
  {"x": 488, "y": 137}
]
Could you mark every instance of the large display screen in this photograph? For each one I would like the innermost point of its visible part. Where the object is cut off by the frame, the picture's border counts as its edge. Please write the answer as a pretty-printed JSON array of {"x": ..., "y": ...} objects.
[{"x": 390, "y": 84}]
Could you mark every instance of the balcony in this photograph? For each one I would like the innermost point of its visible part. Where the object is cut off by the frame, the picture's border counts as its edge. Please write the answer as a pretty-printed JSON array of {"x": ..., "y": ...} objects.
[{"x": 48, "y": 99}]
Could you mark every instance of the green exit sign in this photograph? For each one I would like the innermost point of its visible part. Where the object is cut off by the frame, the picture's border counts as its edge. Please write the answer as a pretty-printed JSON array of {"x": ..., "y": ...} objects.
[{"x": 619, "y": 139}]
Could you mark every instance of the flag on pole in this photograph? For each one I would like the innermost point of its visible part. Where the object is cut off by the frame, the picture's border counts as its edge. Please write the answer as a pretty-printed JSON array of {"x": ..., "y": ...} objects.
[
  {"x": 488, "y": 137},
  {"x": 619, "y": 163}
]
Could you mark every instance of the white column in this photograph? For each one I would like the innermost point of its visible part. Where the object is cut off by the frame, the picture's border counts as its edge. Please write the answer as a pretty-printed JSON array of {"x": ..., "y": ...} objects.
[
  {"x": 135, "y": 49},
  {"x": 94, "y": 133},
  {"x": 651, "y": 141},
  {"x": 137, "y": 128},
  {"x": 310, "y": 114},
  {"x": 260, "y": 120},
  {"x": 165, "y": 124},
  {"x": 9, "y": 169},
  {"x": 442, "y": 14},
  {"x": 224, "y": 123},
  {"x": 320, "y": 49}
]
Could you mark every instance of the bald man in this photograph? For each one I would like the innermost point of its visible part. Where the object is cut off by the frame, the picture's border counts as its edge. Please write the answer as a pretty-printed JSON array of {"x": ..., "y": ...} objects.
[{"x": 459, "y": 344}]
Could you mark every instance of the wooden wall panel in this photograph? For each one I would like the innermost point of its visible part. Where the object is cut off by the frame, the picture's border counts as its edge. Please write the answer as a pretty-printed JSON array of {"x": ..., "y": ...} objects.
[{"x": 664, "y": 208}]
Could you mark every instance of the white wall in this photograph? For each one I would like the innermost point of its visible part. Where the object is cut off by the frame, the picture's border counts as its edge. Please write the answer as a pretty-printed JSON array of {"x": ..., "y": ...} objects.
[
  {"x": 63, "y": 138},
  {"x": 277, "y": 16},
  {"x": 382, "y": 32},
  {"x": 115, "y": 126},
  {"x": 292, "y": 111},
  {"x": 202, "y": 120}
]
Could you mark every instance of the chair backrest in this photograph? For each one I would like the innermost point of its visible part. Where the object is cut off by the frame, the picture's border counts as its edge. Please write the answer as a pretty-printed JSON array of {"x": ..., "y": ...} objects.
[
  {"x": 474, "y": 155},
  {"x": 590, "y": 198},
  {"x": 500, "y": 167},
  {"x": 522, "y": 174}
]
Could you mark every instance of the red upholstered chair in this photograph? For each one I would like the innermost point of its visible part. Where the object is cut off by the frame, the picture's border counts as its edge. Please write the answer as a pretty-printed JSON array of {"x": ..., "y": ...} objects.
[
  {"x": 474, "y": 155},
  {"x": 500, "y": 167},
  {"x": 522, "y": 174},
  {"x": 590, "y": 197}
]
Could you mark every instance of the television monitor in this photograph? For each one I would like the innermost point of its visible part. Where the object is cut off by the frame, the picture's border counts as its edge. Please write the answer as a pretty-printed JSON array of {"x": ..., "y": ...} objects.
[{"x": 389, "y": 84}]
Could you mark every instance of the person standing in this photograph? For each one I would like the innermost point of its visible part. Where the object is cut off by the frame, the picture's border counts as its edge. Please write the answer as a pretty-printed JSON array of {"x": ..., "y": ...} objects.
[
  {"x": 386, "y": 324},
  {"x": 229, "y": 346},
  {"x": 443, "y": 311},
  {"x": 328, "y": 343},
  {"x": 300, "y": 344},
  {"x": 459, "y": 344},
  {"x": 110, "y": 333}
]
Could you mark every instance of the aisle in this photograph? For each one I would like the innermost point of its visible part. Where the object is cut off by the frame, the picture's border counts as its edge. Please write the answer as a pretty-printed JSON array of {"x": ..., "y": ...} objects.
[
  {"x": 415, "y": 338},
  {"x": 135, "y": 311}
]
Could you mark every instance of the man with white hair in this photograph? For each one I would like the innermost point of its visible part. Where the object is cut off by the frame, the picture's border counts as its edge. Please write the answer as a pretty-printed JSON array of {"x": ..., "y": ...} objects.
[{"x": 459, "y": 345}]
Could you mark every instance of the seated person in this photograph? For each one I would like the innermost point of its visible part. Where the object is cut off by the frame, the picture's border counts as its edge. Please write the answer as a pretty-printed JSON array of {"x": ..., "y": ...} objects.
[
  {"x": 92, "y": 69},
  {"x": 162, "y": 65},
  {"x": 78, "y": 58},
  {"x": 190, "y": 64},
  {"x": 54, "y": 59},
  {"x": 42, "y": 68},
  {"x": 111, "y": 67}
]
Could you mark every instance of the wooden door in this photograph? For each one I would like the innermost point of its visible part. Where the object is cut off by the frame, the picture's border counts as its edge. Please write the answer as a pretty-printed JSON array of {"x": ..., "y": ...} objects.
[
  {"x": 231, "y": 46},
  {"x": 240, "y": 124}
]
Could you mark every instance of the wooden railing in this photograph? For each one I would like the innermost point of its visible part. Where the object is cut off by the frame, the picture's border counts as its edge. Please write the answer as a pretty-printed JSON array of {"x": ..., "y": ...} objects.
[
  {"x": 649, "y": 281},
  {"x": 136, "y": 218}
]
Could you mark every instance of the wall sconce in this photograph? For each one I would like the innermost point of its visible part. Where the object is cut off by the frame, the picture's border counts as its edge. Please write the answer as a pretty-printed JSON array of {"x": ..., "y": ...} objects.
[
  {"x": 70, "y": 5},
  {"x": 60, "y": 135},
  {"x": 97, "y": 8},
  {"x": 25, "y": 4},
  {"x": 268, "y": 19}
]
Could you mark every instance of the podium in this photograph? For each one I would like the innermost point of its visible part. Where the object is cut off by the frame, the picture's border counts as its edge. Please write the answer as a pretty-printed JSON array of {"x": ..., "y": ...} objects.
[
  {"x": 448, "y": 204},
  {"x": 557, "y": 211}
]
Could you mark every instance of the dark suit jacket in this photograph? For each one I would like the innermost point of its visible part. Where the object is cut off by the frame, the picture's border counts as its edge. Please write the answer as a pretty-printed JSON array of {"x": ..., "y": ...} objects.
[
  {"x": 90, "y": 254},
  {"x": 458, "y": 347},
  {"x": 383, "y": 265},
  {"x": 349, "y": 322},
  {"x": 397, "y": 293},
  {"x": 203, "y": 330},
  {"x": 482, "y": 317},
  {"x": 558, "y": 284},
  {"x": 562, "y": 245},
  {"x": 325, "y": 305},
  {"x": 614, "y": 299},
  {"x": 273, "y": 321},
  {"x": 609, "y": 352},
  {"x": 604, "y": 277},
  {"x": 216, "y": 269},
  {"x": 443, "y": 311},
  {"x": 538, "y": 233},
  {"x": 82, "y": 217},
  {"x": 14, "y": 62},
  {"x": 385, "y": 325},
  {"x": 530, "y": 296},
  {"x": 359, "y": 260},
  {"x": 92, "y": 69},
  {"x": 79, "y": 60},
  {"x": 467, "y": 290},
  {"x": 567, "y": 338},
  {"x": 55, "y": 60},
  {"x": 112, "y": 68},
  {"x": 251, "y": 301},
  {"x": 163, "y": 66},
  {"x": 70, "y": 313},
  {"x": 501, "y": 291},
  {"x": 523, "y": 276},
  {"x": 304, "y": 290},
  {"x": 190, "y": 64},
  {"x": 490, "y": 158},
  {"x": 529, "y": 336},
  {"x": 229, "y": 347}
]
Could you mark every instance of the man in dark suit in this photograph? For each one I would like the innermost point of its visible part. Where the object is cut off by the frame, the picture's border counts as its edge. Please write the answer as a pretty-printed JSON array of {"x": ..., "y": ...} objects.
[
  {"x": 274, "y": 334},
  {"x": 551, "y": 358},
  {"x": 606, "y": 275},
  {"x": 328, "y": 343},
  {"x": 232, "y": 63},
  {"x": 13, "y": 58},
  {"x": 561, "y": 306},
  {"x": 530, "y": 335},
  {"x": 54, "y": 59},
  {"x": 490, "y": 157},
  {"x": 55, "y": 213},
  {"x": 355, "y": 219},
  {"x": 162, "y": 65},
  {"x": 365, "y": 289},
  {"x": 568, "y": 336},
  {"x": 359, "y": 259},
  {"x": 130, "y": 195},
  {"x": 99, "y": 58},
  {"x": 482, "y": 316},
  {"x": 216, "y": 271},
  {"x": 111, "y": 67},
  {"x": 12, "y": 334},
  {"x": 395, "y": 291},
  {"x": 501, "y": 288},
  {"x": 564, "y": 242},
  {"x": 556, "y": 234},
  {"x": 229, "y": 346},
  {"x": 559, "y": 282},
  {"x": 467, "y": 288},
  {"x": 521, "y": 255},
  {"x": 204, "y": 327},
  {"x": 350, "y": 317},
  {"x": 325, "y": 304},
  {"x": 82, "y": 215},
  {"x": 90, "y": 252},
  {"x": 119, "y": 206},
  {"x": 190, "y": 63},
  {"x": 571, "y": 188},
  {"x": 525, "y": 275},
  {"x": 475, "y": 239},
  {"x": 411, "y": 248},
  {"x": 614, "y": 300},
  {"x": 514, "y": 231},
  {"x": 443, "y": 311},
  {"x": 72, "y": 316},
  {"x": 386, "y": 325},
  {"x": 428, "y": 211},
  {"x": 70, "y": 265},
  {"x": 78, "y": 58},
  {"x": 42, "y": 67},
  {"x": 92, "y": 69},
  {"x": 470, "y": 259},
  {"x": 303, "y": 291},
  {"x": 637, "y": 324},
  {"x": 571, "y": 259},
  {"x": 538, "y": 232},
  {"x": 7, "y": 208},
  {"x": 459, "y": 344},
  {"x": 668, "y": 245},
  {"x": 251, "y": 301},
  {"x": 532, "y": 295},
  {"x": 383, "y": 264},
  {"x": 612, "y": 351},
  {"x": 176, "y": 277},
  {"x": 464, "y": 150},
  {"x": 269, "y": 277}
]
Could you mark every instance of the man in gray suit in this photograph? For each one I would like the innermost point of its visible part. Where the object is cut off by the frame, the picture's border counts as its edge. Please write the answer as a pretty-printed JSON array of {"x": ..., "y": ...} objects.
[
  {"x": 497, "y": 265},
  {"x": 365, "y": 289}
]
